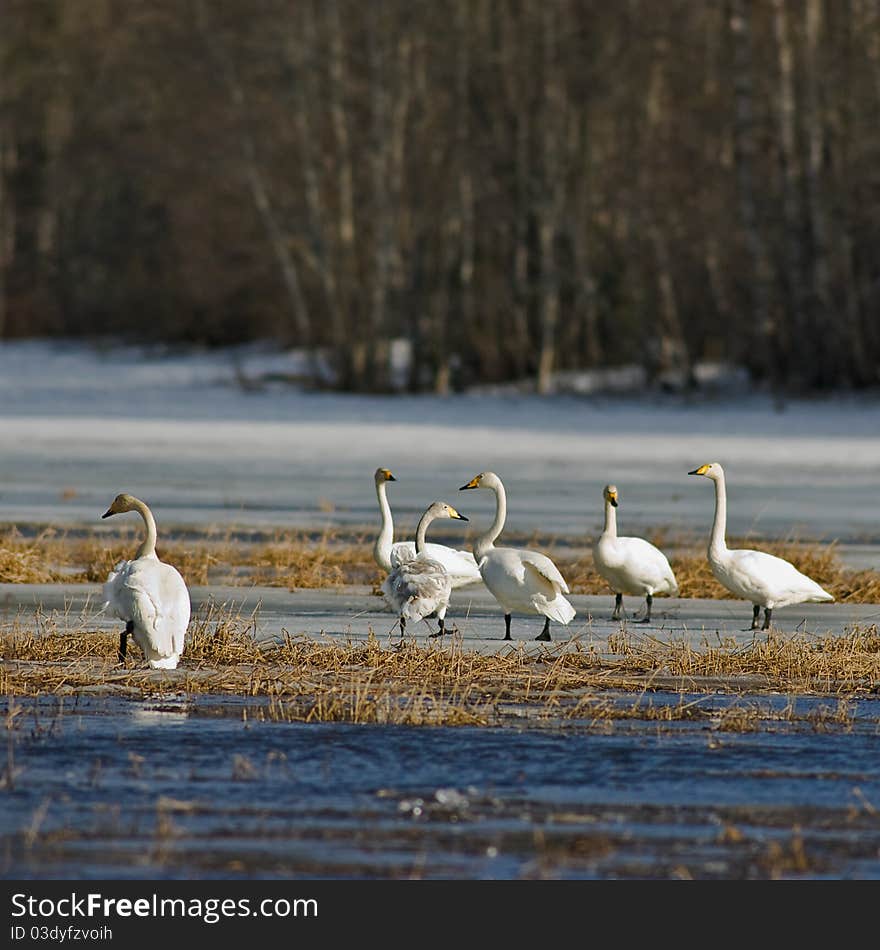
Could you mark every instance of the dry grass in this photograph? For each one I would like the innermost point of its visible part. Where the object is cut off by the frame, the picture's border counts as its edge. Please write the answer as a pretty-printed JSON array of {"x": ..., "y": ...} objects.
[
  {"x": 338, "y": 557},
  {"x": 291, "y": 558},
  {"x": 28, "y": 560},
  {"x": 307, "y": 680}
]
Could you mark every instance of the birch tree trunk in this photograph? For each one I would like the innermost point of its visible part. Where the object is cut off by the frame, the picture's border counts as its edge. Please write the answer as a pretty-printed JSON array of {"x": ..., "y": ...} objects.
[
  {"x": 763, "y": 328},
  {"x": 517, "y": 86},
  {"x": 796, "y": 281},
  {"x": 585, "y": 283},
  {"x": 552, "y": 196},
  {"x": 303, "y": 52},
  {"x": 831, "y": 364},
  {"x": 253, "y": 174},
  {"x": 346, "y": 261},
  {"x": 671, "y": 353},
  {"x": 380, "y": 125}
]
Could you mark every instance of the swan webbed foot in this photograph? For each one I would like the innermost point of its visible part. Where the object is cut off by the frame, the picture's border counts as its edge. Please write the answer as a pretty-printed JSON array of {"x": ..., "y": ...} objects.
[
  {"x": 618, "y": 607},
  {"x": 545, "y": 633},
  {"x": 440, "y": 631}
]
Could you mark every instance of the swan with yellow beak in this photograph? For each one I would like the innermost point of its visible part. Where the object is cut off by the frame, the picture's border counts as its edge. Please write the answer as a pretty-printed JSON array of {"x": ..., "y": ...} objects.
[{"x": 764, "y": 579}]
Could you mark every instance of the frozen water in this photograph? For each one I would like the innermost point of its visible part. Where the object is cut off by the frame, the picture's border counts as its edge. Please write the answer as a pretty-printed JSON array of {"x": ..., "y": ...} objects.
[{"x": 78, "y": 425}]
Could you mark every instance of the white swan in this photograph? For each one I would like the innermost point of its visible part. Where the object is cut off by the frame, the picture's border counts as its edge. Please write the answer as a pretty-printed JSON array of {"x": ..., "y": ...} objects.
[
  {"x": 518, "y": 579},
  {"x": 149, "y": 595},
  {"x": 421, "y": 586},
  {"x": 764, "y": 579},
  {"x": 630, "y": 565},
  {"x": 460, "y": 565}
]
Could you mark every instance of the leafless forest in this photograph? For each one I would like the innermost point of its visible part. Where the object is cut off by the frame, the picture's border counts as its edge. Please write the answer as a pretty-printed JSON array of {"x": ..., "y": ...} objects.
[{"x": 516, "y": 187}]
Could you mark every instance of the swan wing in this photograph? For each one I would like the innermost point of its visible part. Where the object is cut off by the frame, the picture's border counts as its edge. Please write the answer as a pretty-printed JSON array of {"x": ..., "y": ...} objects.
[
  {"x": 771, "y": 580},
  {"x": 417, "y": 588},
  {"x": 154, "y": 597},
  {"x": 114, "y": 590},
  {"x": 647, "y": 565},
  {"x": 546, "y": 597},
  {"x": 401, "y": 552},
  {"x": 460, "y": 565},
  {"x": 543, "y": 570}
]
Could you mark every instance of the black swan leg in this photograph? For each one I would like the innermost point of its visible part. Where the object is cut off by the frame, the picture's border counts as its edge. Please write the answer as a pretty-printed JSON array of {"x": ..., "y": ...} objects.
[
  {"x": 756, "y": 611},
  {"x": 123, "y": 641},
  {"x": 545, "y": 633},
  {"x": 649, "y": 600}
]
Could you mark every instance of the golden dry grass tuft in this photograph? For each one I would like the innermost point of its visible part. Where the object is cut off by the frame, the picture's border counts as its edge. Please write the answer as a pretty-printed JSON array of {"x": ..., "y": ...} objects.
[
  {"x": 282, "y": 558},
  {"x": 335, "y": 557},
  {"x": 302, "y": 679},
  {"x": 27, "y": 560}
]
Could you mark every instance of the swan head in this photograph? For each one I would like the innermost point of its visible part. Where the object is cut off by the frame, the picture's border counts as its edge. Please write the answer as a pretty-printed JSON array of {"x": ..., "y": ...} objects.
[
  {"x": 384, "y": 475},
  {"x": 121, "y": 503},
  {"x": 711, "y": 470},
  {"x": 609, "y": 493},
  {"x": 441, "y": 510},
  {"x": 483, "y": 480}
]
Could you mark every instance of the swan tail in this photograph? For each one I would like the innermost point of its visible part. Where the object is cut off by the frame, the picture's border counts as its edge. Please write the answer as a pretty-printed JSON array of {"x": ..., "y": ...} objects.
[
  {"x": 815, "y": 593},
  {"x": 411, "y": 610},
  {"x": 558, "y": 609}
]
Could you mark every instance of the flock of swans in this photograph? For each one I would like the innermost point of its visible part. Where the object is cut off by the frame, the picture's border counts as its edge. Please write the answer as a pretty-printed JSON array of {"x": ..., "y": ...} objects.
[
  {"x": 152, "y": 599},
  {"x": 419, "y": 582}
]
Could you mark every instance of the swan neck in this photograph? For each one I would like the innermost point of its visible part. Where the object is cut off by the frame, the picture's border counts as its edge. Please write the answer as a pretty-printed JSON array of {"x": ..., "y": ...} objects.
[
  {"x": 426, "y": 519},
  {"x": 487, "y": 541},
  {"x": 610, "y": 530},
  {"x": 382, "y": 547},
  {"x": 717, "y": 544},
  {"x": 148, "y": 545}
]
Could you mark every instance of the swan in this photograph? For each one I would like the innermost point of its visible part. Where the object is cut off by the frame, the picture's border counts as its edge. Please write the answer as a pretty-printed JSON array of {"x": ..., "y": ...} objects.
[
  {"x": 764, "y": 579},
  {"x": 460, "y": 565},
  {"x": 518, "y": 579},
  {"x": 149, "y": 595},
  {"x": 630, "y": 565},
  {"x": 421, "y": 586}
]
